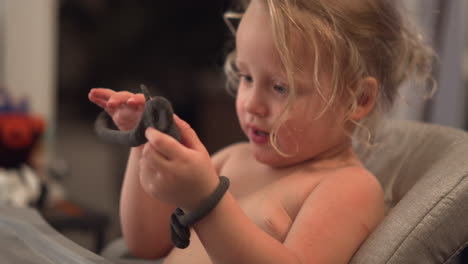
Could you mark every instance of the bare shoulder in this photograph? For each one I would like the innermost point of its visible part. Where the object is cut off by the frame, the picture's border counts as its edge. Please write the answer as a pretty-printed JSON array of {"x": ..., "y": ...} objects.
[
  {"x": 363, "y": 191},
  {"x": 220, "y": 157},
  {"x": 357, "y": 178},
  {"x": 365, "y": 184}
]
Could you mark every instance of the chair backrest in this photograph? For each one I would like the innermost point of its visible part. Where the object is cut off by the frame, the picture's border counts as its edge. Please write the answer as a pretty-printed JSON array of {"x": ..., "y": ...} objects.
[{"x": 423, "y": 169}]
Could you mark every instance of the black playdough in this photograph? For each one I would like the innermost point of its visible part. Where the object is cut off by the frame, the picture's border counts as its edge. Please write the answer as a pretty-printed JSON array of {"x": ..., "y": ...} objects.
[
  {"x": 158, "y": 113},
  {"x": 181, "y": 222}
]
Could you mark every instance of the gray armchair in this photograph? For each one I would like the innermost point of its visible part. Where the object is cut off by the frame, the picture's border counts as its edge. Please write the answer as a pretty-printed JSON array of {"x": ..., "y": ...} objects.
[{"x": 423, "y": 169}]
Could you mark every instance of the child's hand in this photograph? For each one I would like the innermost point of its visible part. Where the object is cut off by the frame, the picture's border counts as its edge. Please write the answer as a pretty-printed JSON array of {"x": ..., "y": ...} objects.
[
  {"x": 124, "y": 107},
  {"x": 179, "y": 174}
]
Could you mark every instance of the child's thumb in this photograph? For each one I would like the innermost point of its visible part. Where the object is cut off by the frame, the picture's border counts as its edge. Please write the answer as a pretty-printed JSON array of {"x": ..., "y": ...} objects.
[{"x": 189, "y": 136}]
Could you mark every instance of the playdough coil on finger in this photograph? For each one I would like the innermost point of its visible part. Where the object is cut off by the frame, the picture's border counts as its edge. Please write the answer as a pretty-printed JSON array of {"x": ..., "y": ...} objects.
[{"x": 158, "y": 113}]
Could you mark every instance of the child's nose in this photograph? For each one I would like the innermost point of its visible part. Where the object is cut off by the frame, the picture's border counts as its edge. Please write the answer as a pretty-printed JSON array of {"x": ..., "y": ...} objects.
[{"x": 255, "y": 104}]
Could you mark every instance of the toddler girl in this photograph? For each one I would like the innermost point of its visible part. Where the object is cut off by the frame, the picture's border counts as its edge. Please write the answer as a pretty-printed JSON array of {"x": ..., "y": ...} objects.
[{"x": 307, "y": 74}]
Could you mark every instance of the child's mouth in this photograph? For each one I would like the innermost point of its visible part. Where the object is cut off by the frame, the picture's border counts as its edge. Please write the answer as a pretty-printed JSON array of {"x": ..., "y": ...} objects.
[
  {"x": 260, "y": 133},
  {"x": 259, "y": 137}
]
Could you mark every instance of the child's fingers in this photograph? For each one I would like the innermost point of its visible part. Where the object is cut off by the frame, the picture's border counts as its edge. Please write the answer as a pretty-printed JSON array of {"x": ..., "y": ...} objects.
[
  {"x": 102, "y": 103},
  {"x": 136, "y": 100},
  {"x": 153, "y": 159},
  {"x": 101, "y": 93},
  {"x": 118, "y": 99},
  {"x": 100, "y": 96},
  {"x": 163, "y": 143},
  {"x": 189, "y": 136}
]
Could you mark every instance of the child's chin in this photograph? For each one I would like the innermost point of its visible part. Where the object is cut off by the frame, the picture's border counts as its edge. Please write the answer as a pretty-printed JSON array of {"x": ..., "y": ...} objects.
[{"x": 269, "y": 158}]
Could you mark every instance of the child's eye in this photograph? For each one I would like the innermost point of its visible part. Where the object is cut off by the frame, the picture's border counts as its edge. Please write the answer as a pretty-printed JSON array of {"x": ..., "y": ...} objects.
[
  {"x": 246, "y": 78},
  {"x": 280, "y": 89}
]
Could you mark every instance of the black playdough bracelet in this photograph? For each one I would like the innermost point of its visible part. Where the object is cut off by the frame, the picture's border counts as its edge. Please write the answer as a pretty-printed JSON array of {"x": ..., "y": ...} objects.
[
  {"x": 181, "y": 222},
  {"x": 158, "y": 113}
]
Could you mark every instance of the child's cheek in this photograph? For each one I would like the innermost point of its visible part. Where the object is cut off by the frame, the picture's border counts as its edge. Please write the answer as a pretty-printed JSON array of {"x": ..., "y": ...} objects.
[{"x": 289, "y": 135}]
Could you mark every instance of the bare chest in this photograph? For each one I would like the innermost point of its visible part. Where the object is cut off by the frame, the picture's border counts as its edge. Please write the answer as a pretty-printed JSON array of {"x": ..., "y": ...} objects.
[{"x": 270, "y": 198}]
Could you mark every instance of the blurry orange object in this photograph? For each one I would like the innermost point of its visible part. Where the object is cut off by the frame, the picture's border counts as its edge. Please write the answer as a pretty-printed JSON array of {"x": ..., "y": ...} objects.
[
  {"x": 19, "y": 134},
  {"x": 69, "y": 208},
  {"x": 20, "y": 131}
]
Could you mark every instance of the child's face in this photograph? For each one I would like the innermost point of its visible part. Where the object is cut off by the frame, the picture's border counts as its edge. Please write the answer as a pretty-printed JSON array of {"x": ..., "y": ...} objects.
[{"x": 263, "y": 95}]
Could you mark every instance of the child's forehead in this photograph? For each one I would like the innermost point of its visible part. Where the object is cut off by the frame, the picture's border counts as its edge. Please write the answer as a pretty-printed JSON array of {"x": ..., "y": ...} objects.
[
  {"x": 256, "y": 25},
  {"x": 255, "y": 34}
]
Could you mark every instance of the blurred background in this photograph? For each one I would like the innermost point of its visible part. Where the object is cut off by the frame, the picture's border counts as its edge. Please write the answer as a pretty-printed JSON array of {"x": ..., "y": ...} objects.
[{"x": 52, "y": 52}]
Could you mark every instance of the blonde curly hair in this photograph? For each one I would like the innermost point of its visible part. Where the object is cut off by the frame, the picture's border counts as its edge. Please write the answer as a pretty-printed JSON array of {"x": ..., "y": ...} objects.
[{"x": 353, "y": 39}]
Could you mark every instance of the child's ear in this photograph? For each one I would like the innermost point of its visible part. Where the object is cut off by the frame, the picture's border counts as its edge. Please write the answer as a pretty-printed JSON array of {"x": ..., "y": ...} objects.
[{"x": 367, "y": 88}]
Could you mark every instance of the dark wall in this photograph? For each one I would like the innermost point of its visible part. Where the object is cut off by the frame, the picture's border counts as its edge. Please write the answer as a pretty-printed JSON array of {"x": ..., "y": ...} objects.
[{"x": 177, "y": 48}]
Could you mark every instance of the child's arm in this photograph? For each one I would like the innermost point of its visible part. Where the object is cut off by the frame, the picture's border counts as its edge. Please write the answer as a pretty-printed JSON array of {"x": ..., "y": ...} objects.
[
  {"x": 334, "y": 220},
  {"x": 134, "y": 199},
  {"x": 144, "y": 220}
]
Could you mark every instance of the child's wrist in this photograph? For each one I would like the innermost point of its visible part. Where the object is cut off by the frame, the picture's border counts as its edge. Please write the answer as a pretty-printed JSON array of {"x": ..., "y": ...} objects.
[{"x": 202, "y": 195}]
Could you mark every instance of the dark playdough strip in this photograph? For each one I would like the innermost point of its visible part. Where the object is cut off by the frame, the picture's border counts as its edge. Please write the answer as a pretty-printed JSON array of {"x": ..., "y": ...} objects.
[{"x": 158, "y": 113}]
